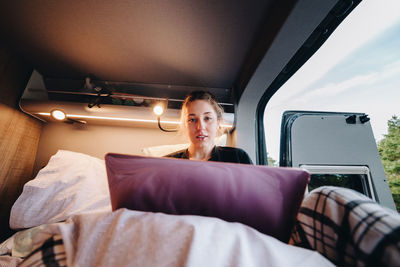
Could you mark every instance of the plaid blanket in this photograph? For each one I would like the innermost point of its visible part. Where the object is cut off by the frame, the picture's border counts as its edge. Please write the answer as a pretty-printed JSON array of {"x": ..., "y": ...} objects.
[
  {"x": 51, "y": 253},
  {"x": 348, "y": 228}
]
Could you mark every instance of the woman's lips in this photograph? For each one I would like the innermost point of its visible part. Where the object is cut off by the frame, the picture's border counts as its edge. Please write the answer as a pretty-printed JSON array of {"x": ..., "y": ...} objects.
[{"x": 201, "y": 137}]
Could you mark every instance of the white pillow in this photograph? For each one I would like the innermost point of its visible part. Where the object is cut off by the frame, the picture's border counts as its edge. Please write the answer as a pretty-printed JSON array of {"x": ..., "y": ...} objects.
[
  {"x": 160, "y": 151},
  {"x": 71, "y": 183}
]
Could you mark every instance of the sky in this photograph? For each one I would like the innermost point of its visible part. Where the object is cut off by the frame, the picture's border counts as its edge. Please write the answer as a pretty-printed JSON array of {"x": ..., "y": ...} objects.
[{"x": 356, "y": 70}]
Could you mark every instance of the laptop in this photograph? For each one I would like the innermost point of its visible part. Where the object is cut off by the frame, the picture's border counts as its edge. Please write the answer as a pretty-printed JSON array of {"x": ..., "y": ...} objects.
[{"x": 264, "y": 198}]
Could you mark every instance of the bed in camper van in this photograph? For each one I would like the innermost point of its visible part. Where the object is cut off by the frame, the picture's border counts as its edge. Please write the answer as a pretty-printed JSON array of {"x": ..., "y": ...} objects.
[{"x": 78, "y": 135}]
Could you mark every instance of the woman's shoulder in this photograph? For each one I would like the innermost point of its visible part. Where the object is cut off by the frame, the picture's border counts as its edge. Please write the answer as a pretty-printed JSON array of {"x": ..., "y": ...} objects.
[{"x": 182, "y": 154}]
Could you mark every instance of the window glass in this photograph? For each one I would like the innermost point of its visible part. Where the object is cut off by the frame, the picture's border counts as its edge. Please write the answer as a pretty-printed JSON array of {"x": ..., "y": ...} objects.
[
  {"x": 356, "y": 70},
  {"x": 353, "y": 181}
]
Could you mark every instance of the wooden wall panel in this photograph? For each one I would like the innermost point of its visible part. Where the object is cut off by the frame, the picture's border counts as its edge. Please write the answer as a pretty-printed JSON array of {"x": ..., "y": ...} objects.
[
  {"x": 19, "y": 135},
  {"x": 19, "y": 138}
]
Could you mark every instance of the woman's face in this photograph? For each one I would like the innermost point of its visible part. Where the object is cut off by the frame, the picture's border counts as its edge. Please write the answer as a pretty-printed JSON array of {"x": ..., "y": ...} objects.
[{"x": 201, "y": 123}]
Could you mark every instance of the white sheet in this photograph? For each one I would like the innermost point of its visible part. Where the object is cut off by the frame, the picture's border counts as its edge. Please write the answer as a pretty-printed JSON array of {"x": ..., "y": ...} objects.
[{"x": 131, "y": 238}]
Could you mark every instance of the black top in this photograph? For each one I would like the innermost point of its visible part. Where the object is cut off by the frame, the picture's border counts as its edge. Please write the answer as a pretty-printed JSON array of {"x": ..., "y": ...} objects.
[{"x": 219, "y": 153}]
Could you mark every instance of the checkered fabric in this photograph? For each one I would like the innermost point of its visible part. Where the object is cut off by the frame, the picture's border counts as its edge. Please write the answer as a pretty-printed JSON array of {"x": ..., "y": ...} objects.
[
  {"x": 51, "y": 253},
  {"x": 348, "y": 228}
]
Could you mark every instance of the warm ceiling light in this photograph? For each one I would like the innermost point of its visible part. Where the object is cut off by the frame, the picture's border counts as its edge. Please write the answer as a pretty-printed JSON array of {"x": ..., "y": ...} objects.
[
  {"x": 158, "y": 109},
  {"x": 77, "y": 116},
  {"x": 58, "y": 114}
]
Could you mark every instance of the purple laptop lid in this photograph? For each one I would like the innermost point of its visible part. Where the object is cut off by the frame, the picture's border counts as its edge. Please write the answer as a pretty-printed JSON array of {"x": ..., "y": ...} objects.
[{"x": 265, "y": 198}]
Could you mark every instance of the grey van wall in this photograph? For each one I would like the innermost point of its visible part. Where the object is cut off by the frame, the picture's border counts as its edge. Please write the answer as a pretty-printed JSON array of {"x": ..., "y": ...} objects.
[
  {"x": 19, "y": 135},
  {"x": 97, "y": 140}
]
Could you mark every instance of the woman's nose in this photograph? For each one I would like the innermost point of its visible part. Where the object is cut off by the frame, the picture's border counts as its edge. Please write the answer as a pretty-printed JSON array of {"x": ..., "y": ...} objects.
[{"x": 200, "y": 124}]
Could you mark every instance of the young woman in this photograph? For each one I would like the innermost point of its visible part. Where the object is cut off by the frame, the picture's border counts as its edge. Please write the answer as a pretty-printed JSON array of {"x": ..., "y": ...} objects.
[
  {"x": 201, "y": 116},
  {"x": 346, "y": 227}
]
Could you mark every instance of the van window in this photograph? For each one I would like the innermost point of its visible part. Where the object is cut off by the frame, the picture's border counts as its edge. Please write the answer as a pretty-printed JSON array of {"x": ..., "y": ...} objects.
[
  {"x": 355, "y": 177},
  {"x": 356, "y": 70}
]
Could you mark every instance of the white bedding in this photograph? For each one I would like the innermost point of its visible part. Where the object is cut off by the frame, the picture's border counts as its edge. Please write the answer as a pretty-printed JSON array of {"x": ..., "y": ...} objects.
[
  {"x": 131, "y": 238},
  {"x": 73, "y": 187},
  {"x": 71, "y": 183}
]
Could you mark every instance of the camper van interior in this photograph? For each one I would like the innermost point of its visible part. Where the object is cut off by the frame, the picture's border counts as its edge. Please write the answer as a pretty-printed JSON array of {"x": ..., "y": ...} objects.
[{"x": 83, "y": 79}]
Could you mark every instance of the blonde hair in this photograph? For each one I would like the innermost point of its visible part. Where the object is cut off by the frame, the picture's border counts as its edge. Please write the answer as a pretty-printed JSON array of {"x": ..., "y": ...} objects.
[{"x": 200, "y": 95}]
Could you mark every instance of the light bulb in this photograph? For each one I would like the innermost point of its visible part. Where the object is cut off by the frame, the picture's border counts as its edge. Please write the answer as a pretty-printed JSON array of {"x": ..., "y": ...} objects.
[
  {"x": 158, "y": 110},
  {"x": 58, "y": 114}
]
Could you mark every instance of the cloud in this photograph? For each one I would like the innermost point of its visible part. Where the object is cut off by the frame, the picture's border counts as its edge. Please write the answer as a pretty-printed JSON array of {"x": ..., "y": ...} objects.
[
  {"x": 365, "y": 23},
  {"x": 339, "y": 88}
]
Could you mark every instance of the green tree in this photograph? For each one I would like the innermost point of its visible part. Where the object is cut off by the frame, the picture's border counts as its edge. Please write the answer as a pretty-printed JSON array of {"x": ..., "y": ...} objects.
[
  {"x": 272, "y": 162},
  {"x": 389, "y": 150}
]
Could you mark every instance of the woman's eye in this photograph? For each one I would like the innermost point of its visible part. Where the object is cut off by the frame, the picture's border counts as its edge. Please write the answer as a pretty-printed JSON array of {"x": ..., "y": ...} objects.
[
  {"x": 207, "y": 118},
  {"x": 191, "y": 120}
]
